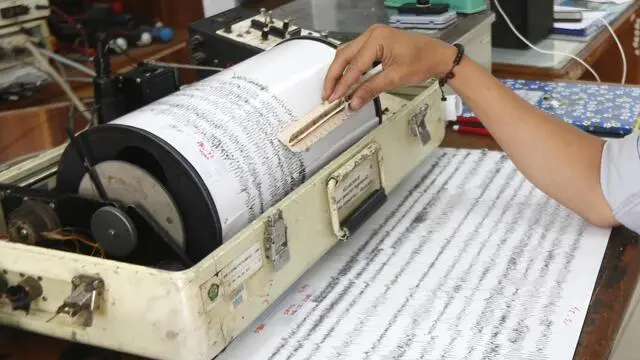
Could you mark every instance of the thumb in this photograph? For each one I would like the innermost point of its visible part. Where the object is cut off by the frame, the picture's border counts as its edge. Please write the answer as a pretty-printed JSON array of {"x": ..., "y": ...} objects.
[{"x": 370, "y": 89}]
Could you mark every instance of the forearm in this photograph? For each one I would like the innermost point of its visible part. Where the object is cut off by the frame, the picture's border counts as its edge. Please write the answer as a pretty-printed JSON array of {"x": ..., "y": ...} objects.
[{"x": 560, "y": 159}]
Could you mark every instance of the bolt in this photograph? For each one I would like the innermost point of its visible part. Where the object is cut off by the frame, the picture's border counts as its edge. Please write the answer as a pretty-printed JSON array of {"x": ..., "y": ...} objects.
[{"x": 111, "y": 232}]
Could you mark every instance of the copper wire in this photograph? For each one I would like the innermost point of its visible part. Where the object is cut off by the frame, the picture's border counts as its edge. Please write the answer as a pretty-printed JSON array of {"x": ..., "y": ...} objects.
[{"x": 69, "y": 235}]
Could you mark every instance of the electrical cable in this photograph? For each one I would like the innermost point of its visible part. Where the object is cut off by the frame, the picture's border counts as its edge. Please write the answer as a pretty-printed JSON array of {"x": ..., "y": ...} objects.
[
  {"x": 15, "y": 161},
  {"x": 76, "y": 238},
  {"x": 126, "y": 53},
  {"x": 68, "y": 62},
  {"x": 73, "y": 22},
  {"x": 61, "y": 82},
  {"x": 624, "y": 57},
  {"x": 506, "y": 19},
  {"x": 183, "y": 66},
  {"x": 78, "y": 79}
]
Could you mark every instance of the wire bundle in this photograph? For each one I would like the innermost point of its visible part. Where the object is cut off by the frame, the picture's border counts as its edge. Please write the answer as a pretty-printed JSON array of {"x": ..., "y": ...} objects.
[{"x": 68, "y": 235}]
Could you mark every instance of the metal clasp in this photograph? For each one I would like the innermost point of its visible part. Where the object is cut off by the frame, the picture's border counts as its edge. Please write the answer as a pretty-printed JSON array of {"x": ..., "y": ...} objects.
[
  {"x": 85, "y": 298},
  {"x": 275, "y": 241},
  {"x": 418, "y": 124}
]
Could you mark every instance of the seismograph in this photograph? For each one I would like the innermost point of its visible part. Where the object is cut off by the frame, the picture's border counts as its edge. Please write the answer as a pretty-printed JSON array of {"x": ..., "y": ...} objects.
[
  {"x": 467, "y": 260},
  {"x": 238, "y": 119}
]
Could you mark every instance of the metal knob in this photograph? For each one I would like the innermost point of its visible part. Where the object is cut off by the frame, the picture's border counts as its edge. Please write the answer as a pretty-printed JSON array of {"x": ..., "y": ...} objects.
[
  {"x": 198, "y": 58},
  {"x": 22, "y": 295},
  {"x": 196, "y": 41}
]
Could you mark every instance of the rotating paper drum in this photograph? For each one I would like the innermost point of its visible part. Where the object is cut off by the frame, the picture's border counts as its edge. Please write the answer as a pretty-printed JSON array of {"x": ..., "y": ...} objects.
[{"x": 210, "y": 151}]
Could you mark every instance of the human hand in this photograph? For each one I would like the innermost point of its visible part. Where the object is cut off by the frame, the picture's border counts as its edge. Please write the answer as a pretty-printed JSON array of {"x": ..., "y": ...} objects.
[{"x": 407, "y": 59}]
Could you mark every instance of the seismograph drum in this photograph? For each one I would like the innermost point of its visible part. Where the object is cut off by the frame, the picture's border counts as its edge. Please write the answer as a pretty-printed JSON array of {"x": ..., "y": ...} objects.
[{"x": 206, "y": 160}]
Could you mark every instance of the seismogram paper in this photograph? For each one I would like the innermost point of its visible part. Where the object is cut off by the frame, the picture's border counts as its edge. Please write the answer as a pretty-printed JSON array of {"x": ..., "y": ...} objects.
[{"x": 467, "y": 260}]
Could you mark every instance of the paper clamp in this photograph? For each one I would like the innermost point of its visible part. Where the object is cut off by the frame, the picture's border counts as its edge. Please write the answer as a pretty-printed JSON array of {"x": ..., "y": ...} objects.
[{"x": 321, "y": 120}]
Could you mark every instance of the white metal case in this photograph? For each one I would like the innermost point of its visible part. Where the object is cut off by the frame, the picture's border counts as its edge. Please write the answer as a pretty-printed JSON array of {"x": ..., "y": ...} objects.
[
  {"x": 193, "y": 314},
  {"x": 13, "y": 12}
]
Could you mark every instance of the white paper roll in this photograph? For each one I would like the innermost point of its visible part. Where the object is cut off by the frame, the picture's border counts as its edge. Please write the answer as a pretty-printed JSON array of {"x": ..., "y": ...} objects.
[{"x": 226, "y": 127}]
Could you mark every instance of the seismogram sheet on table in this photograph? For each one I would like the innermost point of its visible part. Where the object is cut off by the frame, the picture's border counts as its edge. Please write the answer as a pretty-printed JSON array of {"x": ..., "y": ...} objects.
[{"x": 467, "y": 260}]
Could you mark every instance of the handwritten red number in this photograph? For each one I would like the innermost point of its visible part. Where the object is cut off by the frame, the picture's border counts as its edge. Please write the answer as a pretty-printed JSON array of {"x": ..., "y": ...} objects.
[{"x": 205, "y": 151}]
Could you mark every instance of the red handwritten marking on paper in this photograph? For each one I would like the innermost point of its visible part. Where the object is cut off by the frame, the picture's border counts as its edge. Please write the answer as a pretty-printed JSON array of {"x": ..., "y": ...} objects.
[
  {"x": 259, "y": 328},
  {"x": 293, "y": 308},
  {"x": 205, "y": 150},
  {"x": 568, "y": 319}
]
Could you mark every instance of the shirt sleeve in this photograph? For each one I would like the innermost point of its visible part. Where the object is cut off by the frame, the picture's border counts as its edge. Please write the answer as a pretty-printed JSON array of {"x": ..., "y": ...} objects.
[{"x": 620, "y": 179}]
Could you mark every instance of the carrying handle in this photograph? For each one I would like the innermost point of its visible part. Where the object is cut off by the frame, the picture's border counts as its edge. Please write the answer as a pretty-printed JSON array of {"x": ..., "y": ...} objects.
[{"x": 356, "y": 191}]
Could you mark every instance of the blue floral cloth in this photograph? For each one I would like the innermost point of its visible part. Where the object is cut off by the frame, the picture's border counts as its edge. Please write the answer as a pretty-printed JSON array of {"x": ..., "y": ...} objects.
[{"x": 607, "y": 109}]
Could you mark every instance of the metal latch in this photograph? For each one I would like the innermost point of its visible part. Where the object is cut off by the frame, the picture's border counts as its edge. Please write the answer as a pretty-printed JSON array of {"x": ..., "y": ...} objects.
[
  {"x": 275, "y": 241},
  {"x": 418, "y": 124},
  {"x": 85, "y": 298}
]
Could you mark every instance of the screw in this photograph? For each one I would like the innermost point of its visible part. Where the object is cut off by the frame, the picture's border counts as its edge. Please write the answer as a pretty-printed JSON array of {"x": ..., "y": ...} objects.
[
  {"x": 111, "y": 232},
  {"x": 213, "y": 292}
]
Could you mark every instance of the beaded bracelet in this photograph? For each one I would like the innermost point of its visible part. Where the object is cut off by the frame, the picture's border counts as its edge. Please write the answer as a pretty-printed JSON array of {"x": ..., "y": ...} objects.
[{"x": 450, "y": 75}]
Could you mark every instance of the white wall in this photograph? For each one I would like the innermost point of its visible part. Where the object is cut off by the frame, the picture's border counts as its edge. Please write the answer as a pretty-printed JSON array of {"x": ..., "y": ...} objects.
[{"x": 212, "y": 7}]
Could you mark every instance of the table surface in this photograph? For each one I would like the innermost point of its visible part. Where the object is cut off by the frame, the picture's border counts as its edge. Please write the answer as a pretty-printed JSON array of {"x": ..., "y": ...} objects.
[
  {"x": 612, "y": 292},
  {"x": 560, "y": 43}
]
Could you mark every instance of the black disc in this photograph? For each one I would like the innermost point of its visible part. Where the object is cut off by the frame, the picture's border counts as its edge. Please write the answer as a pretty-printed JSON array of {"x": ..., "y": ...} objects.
[{"x": 202, "y": 227}]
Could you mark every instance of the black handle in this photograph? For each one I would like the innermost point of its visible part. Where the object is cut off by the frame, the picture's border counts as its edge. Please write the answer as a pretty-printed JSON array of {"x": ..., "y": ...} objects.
[{"x": 363, "y": 212}]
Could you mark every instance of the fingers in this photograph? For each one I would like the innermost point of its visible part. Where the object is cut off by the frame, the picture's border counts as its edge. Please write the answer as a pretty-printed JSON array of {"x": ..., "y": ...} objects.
[
  {"x": 372, "y": 88},
  {"x": 359, "y": 65},
  {"x": 337, "y": 67},
  {"x": 344, "y": 57}
]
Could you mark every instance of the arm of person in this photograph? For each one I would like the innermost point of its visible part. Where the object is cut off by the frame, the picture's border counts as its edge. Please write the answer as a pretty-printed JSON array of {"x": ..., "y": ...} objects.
[
  {"x": 561, "y": 160},
  {"x": 558, "y": 158}
]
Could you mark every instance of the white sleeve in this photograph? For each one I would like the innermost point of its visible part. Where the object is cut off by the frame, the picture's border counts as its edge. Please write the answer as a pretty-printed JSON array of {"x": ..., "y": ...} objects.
[{"x": 620, "y": 179}]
